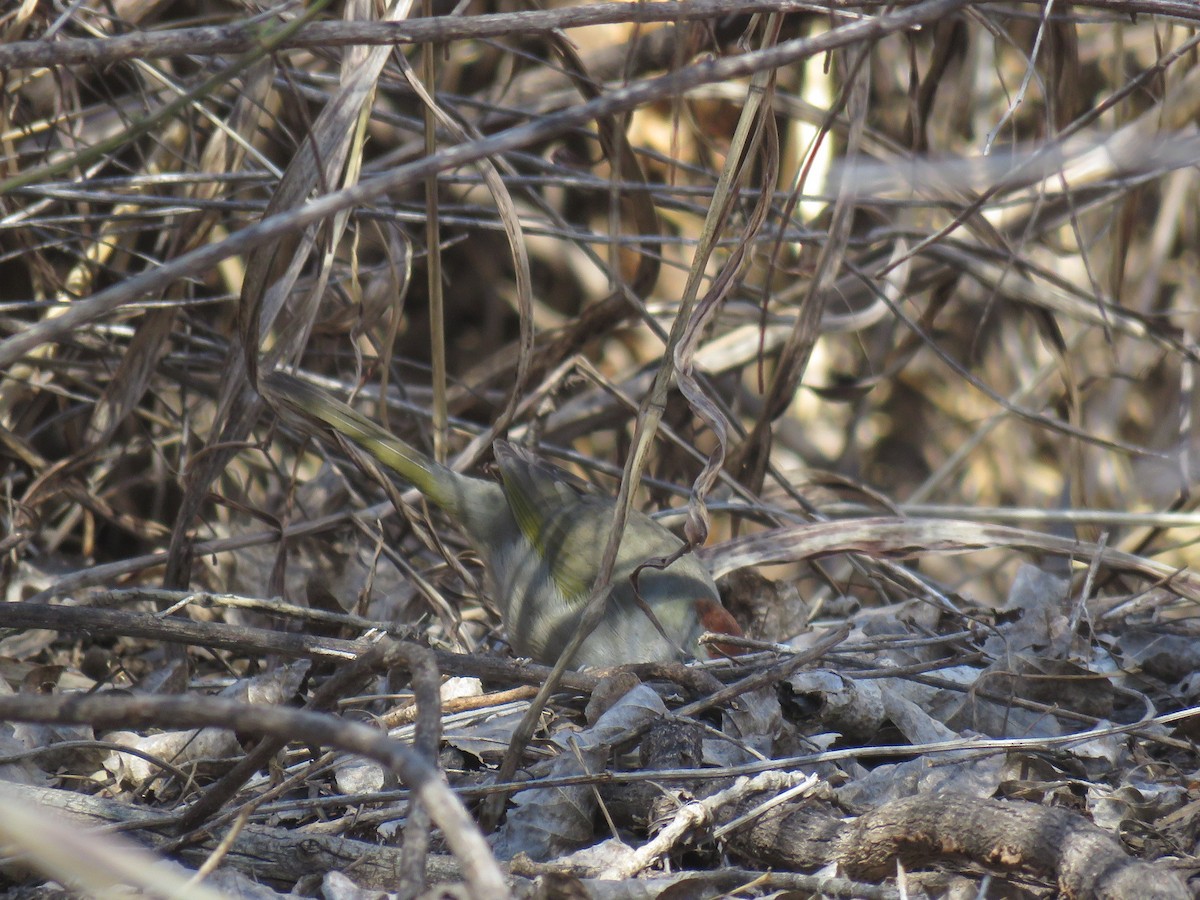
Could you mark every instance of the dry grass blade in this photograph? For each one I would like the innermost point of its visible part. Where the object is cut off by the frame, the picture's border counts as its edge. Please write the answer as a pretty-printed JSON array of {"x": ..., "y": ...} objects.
[
  {"x": 884, "y": 538},
  {"x": 755, "y": 120},
  {"x": 95, "y": 864}
]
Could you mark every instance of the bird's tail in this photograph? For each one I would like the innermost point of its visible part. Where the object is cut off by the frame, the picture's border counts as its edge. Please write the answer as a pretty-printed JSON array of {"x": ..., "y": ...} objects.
[{"x": 315, "y": 408}]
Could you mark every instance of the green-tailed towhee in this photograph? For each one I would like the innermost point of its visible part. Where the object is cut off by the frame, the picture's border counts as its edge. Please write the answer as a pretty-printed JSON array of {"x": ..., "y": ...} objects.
[{"x": 541, "y": 541}]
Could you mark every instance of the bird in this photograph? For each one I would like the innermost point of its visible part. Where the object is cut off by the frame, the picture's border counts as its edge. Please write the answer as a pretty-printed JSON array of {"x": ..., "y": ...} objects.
[{"x": 541, "y": 539}]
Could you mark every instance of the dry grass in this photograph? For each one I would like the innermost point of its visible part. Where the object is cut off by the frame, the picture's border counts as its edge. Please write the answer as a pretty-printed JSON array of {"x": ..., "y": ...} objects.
[{"x": 923, "y": 271}]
